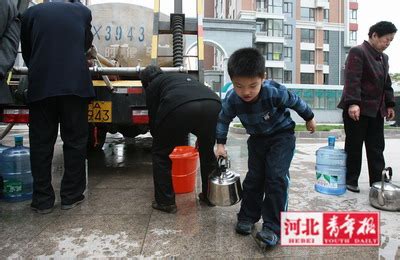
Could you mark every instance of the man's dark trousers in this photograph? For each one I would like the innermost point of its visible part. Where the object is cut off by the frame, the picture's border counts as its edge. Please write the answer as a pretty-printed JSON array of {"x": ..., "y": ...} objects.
[
  {"x": 265, "y": 188},
  {"x": 368, "y": 130},
  {"x": 45, "y": 116},
  {"x": 197, "y": 117}
]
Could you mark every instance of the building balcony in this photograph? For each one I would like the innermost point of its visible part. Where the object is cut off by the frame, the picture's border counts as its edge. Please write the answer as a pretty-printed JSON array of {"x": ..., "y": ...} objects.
[
  {"x": 264, "y": 37},
  {"x": 307, "y": 68},
  {"x": 319, "y": 67},
  {"x": 263, "y": 13},
  {"x": 247, "y": 15},
  {"x": 322, "y": 4},
  {"x": 275, "y": 64}
]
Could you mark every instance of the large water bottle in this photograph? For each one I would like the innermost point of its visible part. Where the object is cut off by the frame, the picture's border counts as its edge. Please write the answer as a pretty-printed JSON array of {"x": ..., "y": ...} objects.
[
  {"x": 15, "y": 170},
  {"x": 3, "y": 147},
  {"x": 331, "y": 169}
]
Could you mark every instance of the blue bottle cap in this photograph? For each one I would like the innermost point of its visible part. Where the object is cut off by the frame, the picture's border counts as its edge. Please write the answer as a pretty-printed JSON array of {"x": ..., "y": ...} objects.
[
  {"x": 331, "y": 140},
  {"x": 18, "y": 139}
]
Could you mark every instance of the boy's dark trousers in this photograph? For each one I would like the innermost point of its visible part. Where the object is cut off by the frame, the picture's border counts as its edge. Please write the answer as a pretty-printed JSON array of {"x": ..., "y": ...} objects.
[
  {"x": 197, "y": 117},
  {"x": 369, "y": 130},
  {"x": 265, "y": 188}
]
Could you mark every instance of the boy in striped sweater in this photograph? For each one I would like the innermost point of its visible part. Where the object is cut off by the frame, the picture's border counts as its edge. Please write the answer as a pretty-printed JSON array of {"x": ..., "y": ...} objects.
[{"x": 262, "y": 107}]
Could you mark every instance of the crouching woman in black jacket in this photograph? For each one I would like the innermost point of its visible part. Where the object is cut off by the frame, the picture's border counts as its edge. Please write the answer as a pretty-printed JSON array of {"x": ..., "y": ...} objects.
[{"x": 178, "y": 105}]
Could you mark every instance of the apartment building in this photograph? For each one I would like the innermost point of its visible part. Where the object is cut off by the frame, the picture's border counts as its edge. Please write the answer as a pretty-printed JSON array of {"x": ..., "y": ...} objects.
[{"x": 305, "y": 42}]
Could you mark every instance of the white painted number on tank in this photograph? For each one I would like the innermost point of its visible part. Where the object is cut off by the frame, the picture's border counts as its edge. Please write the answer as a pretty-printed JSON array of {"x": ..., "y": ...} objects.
[{"x": 118, "y": 33}]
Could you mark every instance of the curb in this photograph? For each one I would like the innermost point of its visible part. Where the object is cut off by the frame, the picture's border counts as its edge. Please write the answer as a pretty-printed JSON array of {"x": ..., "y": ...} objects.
[{"x": 338, "y": 133}]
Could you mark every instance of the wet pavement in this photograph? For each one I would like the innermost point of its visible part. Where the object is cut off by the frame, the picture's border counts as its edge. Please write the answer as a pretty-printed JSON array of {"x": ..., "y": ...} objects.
[{"x": 116, "y": 219}]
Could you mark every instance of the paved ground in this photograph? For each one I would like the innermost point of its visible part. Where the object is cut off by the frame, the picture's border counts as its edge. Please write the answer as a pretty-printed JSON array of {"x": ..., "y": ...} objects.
[{"x": 116, "y": 220}]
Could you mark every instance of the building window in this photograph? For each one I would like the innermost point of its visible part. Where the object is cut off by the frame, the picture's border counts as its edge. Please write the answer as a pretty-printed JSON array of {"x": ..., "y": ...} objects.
[
  {"x": 287, "y": 76},
  {"x": 307, "y": 57},
  {"x": 319, "y": 99},
  {"x": 353, "y": 36},
  {"x": 288, "y": 53},
  {"x": 274, "y": 27},
  {"x": 275, "y": 74},
  {"x": 307, "y": 78},
  {"x": 326, "y": 58},
  {"x": 353, "y": 14},
  {"x": 288, "y": 9},
  {"x": 288, "y": 31},
  {"x": 326, "y": 37},
  {"x": 326, "y": 79},
  {"x": 331, "y": 97},
  {"x": 260, "y": 5},
  {"x": 260, "y": 26},
  {"x": 307, "y": 14},
  {"x": 262, "y": 48},
  {"x": 274, "y": 51},
  {"x": 307, "y": 35},
  {"x": 326, "y": 15},
  {"x": 274, "y": 6}
]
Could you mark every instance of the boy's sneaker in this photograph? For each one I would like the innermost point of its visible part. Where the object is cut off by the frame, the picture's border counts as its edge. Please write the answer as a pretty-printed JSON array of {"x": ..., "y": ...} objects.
[
  {"x": 72, "y": 205},
  {"x": 164, "y": 208},
  {"x": 244, "y": 227},
  {"x": 267, "y": 236}
]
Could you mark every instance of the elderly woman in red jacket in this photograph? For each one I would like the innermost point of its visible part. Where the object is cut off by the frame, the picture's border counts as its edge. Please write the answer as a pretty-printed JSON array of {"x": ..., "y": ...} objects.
[{"x": 367, "y": 99}]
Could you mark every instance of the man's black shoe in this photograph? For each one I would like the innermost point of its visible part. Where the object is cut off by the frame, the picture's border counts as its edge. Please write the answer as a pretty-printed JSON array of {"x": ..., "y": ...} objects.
[
  {"x": 244, "y": 227},
  {"x": 165, "y": 208},
  {"x": 42, "y": 211},
  {"x": 353, "y": 188},
  {"x": 72, "y": 205},
  {"x": 203, "y": 198}
]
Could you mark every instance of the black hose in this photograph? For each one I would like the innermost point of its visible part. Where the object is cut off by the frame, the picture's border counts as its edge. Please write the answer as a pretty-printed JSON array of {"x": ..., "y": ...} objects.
[{"x": 177, "y": 40}]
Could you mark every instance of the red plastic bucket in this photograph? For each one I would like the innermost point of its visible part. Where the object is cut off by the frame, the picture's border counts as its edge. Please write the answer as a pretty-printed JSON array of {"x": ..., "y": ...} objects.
[{"x": 184, "y": 168}]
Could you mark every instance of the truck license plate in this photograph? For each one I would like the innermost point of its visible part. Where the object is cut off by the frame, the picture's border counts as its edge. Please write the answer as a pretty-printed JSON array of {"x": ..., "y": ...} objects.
[{"x": 100, "y": 112}]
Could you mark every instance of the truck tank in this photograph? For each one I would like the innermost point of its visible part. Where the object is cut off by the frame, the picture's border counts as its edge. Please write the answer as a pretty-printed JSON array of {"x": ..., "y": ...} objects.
[{"x": 123, "y": 33}]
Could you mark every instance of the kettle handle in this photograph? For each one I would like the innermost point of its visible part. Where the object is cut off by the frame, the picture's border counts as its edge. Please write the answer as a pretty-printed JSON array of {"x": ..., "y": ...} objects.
[
  {"x": 221, "y": 161},
  {"x": 387, "y": 175},
  {"x": 223, "y": 164}
]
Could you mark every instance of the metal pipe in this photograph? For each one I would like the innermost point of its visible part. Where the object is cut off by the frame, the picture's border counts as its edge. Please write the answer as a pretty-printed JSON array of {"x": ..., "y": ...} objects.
[
  {"x": 5, "y": 132},
  {"x": 122, "y": 71}
]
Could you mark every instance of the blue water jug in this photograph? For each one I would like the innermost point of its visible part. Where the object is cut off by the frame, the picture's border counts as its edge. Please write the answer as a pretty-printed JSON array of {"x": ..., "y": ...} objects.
[
  {"x": 3, "y": 147},
  {"x": 15, "y": 170},
  {"x": 331, "y": 169}
]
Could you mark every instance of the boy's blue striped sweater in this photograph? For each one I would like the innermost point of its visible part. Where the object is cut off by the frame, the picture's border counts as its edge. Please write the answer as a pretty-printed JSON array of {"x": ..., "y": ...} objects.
[{"x": 266, "y": 116}]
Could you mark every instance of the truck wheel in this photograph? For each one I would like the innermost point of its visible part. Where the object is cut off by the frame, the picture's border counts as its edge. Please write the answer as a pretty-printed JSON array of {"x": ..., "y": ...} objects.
[{"x": 92, "y": 145}]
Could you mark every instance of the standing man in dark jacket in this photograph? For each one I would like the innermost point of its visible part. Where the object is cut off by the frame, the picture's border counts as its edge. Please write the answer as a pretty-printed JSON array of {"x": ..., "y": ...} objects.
[
  {"x": 367, "y": 98},
  {"x": 178, "y": 105},
  {"x": 55, "y": 37},
  {"x": 9, "y": 41}
]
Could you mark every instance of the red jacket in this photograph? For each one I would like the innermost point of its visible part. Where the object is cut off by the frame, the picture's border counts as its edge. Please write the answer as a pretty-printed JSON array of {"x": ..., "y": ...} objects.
[{"x": 367, "y": 81}]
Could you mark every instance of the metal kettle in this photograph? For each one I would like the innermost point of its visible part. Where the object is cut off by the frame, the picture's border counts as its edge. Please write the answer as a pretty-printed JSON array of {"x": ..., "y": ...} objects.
[
  {"x": 384, "y": 194},
  {"x": 224, "y": 186}
]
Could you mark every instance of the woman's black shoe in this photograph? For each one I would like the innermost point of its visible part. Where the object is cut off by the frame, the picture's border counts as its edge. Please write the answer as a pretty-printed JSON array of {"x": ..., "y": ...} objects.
[
  {"x": 205, "y": 200},
  {"x": 164, "y": 208},
  {"x": 353, "y": 188}
]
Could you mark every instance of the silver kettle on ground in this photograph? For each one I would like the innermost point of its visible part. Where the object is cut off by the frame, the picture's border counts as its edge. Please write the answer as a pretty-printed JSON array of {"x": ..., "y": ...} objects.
[
  {"x": 224, "y": 187},
  {"x": 384, "y": 194}
]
